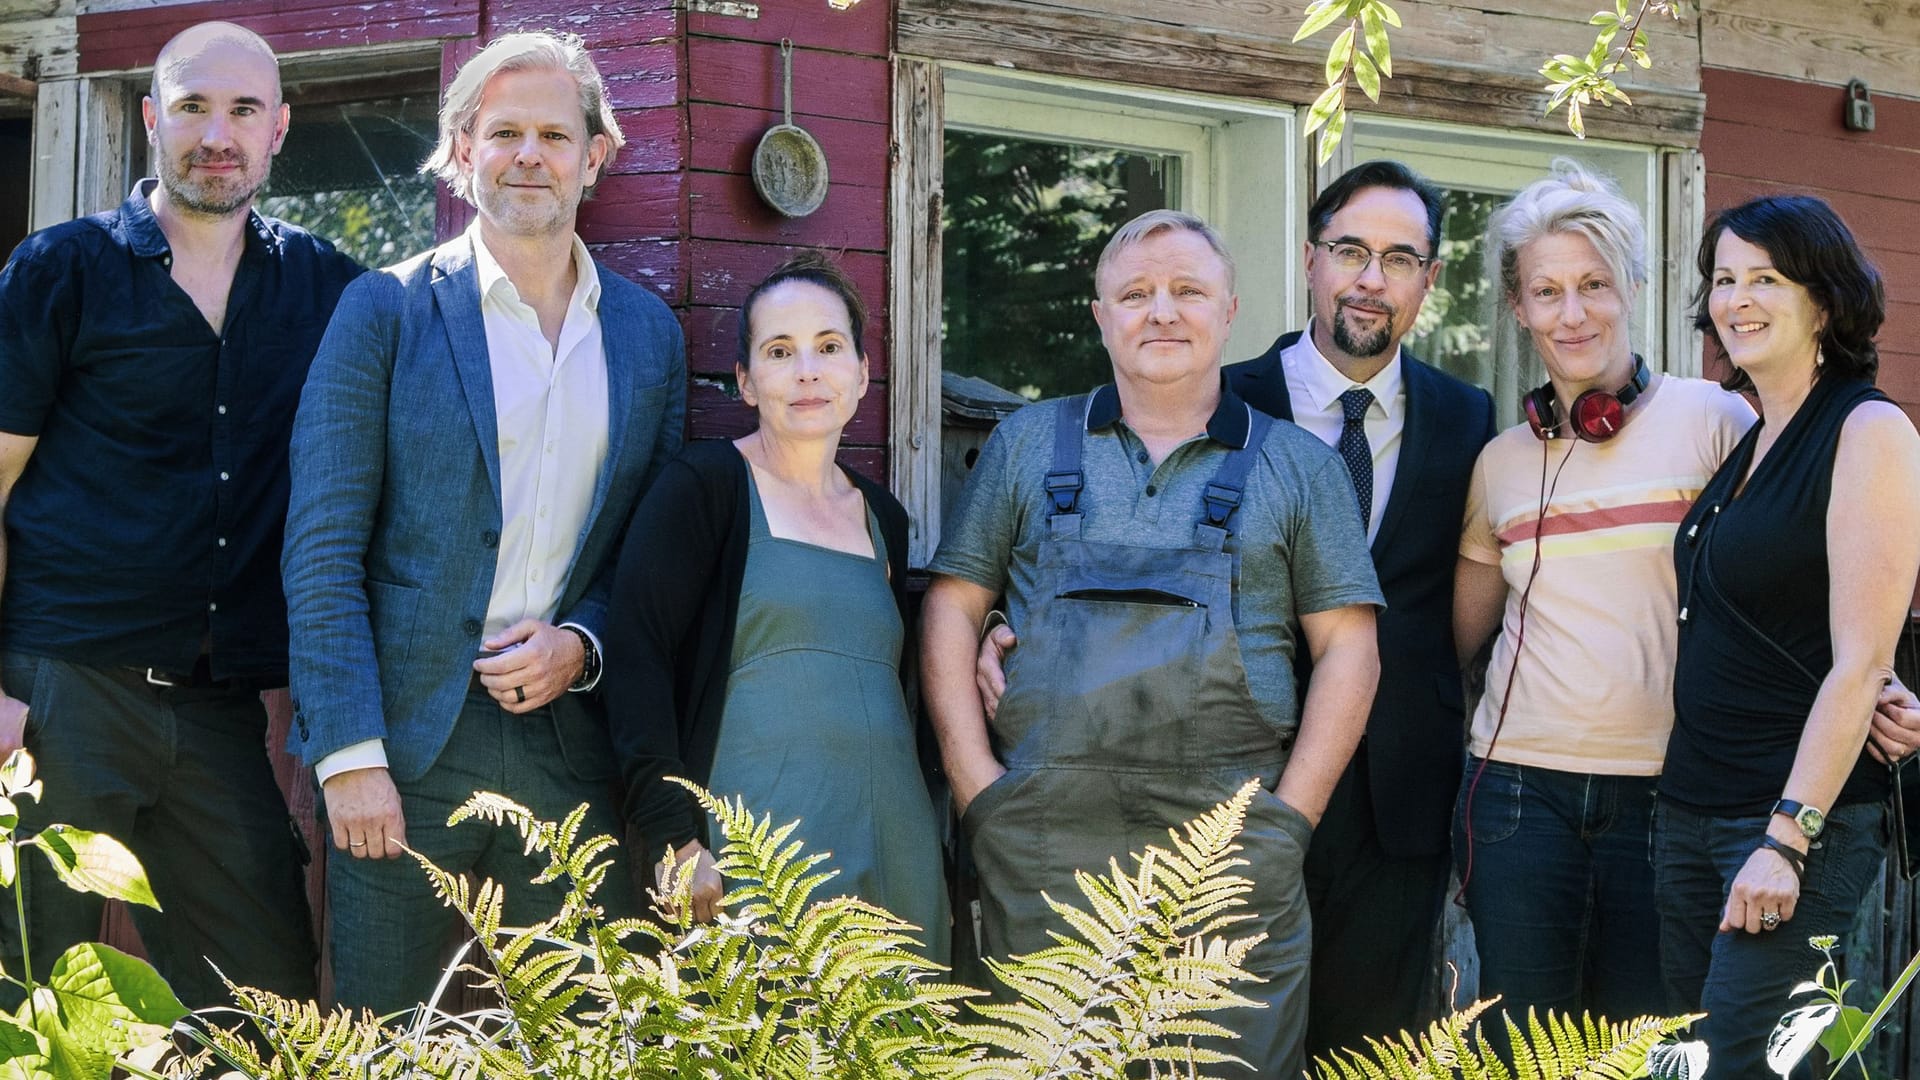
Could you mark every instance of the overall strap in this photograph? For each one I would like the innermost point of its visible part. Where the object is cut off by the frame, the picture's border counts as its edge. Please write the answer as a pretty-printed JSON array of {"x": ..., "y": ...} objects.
[
  {"x": 1064, "y": 478},
  {"x": 1222, "y": 495}
]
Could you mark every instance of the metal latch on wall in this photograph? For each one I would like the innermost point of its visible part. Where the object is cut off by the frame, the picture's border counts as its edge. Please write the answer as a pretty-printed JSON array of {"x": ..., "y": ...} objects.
[{"x": 1859, "y": 106}]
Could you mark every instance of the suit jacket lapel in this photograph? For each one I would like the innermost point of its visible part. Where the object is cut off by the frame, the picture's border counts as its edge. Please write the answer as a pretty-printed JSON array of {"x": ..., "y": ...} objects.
[
  {"x": 617, "y": 345},
  {"x": 1264, "y": 380},
  {"x": 1415, "y": 439},
  {"x": 456, "y": 292}
]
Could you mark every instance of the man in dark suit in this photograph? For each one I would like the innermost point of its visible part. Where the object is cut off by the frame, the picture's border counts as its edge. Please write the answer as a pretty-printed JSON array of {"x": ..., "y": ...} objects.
[
  {"x": 477, "y": 427},
  {"x": 1377, "y": 870}
]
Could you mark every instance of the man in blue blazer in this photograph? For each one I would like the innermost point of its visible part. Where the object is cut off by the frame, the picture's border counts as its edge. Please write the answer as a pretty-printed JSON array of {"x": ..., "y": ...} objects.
[
  {"x": 1409, "y": 433},
  {"x": 476, "y": 429}
]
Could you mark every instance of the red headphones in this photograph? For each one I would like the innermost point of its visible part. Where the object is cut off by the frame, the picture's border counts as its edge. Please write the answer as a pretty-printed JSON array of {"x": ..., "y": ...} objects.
[{"x": 1596, "y": 415}]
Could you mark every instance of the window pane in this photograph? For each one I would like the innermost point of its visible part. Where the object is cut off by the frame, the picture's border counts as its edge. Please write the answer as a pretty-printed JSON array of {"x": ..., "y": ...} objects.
[
  {"x": 350, "y": 173},
  {"x": 1452, "y": 332},
  {"x": 1023, "y": 225}
]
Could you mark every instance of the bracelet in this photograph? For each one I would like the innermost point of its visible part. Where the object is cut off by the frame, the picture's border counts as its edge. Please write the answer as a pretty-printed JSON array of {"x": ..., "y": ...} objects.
[{"x": 1795, "y": 860}]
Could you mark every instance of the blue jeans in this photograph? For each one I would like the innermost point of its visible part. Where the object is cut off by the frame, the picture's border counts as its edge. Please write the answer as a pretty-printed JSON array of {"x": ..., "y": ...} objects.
[
  {"x": 1742, "y": 980},
  {"x": 1559, "y": 881}
]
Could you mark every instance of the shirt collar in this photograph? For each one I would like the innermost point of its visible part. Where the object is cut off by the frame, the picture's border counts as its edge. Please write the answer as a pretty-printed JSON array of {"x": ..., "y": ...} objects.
[
  {"x": 1324, "y": 383},
  {"x": 1231, "y": 423},
  {"x": 143, "y": 229},
  {"x": 586, "y": 284}
]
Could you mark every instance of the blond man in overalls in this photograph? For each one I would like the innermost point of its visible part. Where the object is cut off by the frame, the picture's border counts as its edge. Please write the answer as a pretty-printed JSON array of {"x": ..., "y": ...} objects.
[{"x": 1164, "y": 551}]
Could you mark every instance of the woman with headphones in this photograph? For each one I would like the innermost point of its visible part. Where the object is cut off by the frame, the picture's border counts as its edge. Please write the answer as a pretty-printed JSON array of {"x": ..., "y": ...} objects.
[{"x": 1566, "y": 551}]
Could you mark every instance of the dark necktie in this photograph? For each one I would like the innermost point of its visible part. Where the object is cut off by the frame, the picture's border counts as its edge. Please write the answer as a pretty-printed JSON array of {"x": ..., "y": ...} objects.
[{"x": 1355, "y": 450}]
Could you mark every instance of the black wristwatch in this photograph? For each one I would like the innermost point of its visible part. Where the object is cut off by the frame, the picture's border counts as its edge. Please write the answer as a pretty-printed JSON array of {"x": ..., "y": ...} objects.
[
  {"x": 590, "y": 665},
  {"x": 1811, "y": 819}
]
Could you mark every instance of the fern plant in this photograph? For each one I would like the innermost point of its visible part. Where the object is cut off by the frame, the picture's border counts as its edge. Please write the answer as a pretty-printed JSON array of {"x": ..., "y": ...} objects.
[
  {"x": 1559, "y": 1047},
  {"x": 782, "y": 985}
]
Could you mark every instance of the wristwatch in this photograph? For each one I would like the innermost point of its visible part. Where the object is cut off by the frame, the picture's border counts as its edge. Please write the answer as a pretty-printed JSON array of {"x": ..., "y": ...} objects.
[
  {"x": 590, "y": 663},
  {"x": 1811, "y": 819}
]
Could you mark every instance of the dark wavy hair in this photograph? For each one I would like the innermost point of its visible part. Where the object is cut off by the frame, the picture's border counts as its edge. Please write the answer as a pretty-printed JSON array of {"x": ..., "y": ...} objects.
[
  {"x": 1386, "y": 174},
  {"x": 814, "y": 268},
  {"x": 1810, "y": 246}
]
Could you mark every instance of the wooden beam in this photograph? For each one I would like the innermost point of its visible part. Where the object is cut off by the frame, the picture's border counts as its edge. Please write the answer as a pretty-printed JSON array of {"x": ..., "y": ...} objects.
[
  {"x": 1026, "y": 36},
  {"x": 14, "y": 86},
  {"x": 914, "y": 301}
]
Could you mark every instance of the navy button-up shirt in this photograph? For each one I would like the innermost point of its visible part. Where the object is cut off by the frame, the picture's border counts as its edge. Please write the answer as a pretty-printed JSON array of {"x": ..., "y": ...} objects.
[{"x": 148, "y": 521}]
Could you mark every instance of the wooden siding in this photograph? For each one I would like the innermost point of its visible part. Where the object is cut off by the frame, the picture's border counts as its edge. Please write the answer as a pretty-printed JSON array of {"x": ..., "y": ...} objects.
[
  {"x": 119, "y": 40},
  {"x": 1467, "y": 62},
  {"x": 1875, "y": 40},
  {"x": 840, "y": 95},
  {"x": 1767, "y": 134},
  {"x": 37, "y": 39}
]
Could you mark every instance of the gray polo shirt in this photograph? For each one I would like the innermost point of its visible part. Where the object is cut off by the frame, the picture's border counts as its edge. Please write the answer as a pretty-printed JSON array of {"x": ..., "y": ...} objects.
[{"x": 1297, "y": 542}]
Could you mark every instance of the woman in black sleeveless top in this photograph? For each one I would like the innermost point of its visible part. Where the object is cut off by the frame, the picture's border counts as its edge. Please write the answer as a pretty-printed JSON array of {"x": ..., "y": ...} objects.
[{"x": 1795, "y": 568}]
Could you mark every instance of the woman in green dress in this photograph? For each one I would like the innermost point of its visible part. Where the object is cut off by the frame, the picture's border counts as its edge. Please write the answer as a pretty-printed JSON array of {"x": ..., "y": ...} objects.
[{"x": 756, "y": 627}]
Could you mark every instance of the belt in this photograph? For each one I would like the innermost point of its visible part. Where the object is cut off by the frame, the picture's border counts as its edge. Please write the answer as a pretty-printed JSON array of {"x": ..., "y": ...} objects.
[{"x": 199, "y": 678}]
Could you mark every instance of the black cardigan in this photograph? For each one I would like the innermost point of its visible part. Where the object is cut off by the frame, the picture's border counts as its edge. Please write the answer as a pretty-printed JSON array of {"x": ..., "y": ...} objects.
[{"x": 669, "y": 635}]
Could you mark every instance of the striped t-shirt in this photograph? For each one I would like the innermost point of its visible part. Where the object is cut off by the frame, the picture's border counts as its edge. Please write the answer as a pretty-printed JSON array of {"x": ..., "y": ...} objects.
[{"x": 1594, "y": 691}]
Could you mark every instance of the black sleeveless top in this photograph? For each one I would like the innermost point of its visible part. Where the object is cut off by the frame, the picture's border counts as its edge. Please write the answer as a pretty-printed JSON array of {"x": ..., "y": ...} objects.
[{"x": 1755, "y": 642}]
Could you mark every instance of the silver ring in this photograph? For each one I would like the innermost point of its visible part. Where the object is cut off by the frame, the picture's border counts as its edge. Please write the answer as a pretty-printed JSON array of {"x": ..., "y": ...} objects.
[
  {"x": 519, "y": 695},
  {"x": 1770, "y": 920},
  {"x": 355, "y": 844}
]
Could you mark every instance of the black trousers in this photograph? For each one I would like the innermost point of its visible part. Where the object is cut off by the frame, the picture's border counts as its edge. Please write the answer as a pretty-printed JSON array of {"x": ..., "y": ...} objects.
[
  {"x": 181, "y": 776},
  {"x": 1375, "y": 921}
]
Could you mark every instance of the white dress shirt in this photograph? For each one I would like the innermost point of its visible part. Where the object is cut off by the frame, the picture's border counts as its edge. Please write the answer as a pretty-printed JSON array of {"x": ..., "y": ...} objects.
[
  {"x": 1314, "y": 386},
  {"x": 550, "y": 409}
]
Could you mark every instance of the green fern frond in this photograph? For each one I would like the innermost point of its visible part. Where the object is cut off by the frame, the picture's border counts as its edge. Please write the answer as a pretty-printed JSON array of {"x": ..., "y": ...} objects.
[{"x": 1549, "y": 1048}]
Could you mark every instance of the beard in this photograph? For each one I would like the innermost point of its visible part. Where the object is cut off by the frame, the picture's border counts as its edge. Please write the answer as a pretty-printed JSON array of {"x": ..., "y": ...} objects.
[
  {"x": 1364, "y": 343},
  {"x": 516, "y": 215},
  {"x": 212, "y": 196}
]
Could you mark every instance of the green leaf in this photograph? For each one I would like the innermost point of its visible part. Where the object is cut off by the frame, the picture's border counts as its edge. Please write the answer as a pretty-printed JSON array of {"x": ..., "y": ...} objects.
[
  {"x": 1330, "y": 138},
  {"x": 16, "y": 776},
  {"x": 1837, "y": 1039},
  {"x": 17, "y": 1042},
  {"x": 1324, "y": 107},
  {"x": 1338, "y": 55},
  {"x": 9, "y": 864},
  {"x": 1574, "y": 123},
  {"x": 1796, "y": 1033},
  {"x": 1320, "y": 15},
  {"x": 1376, "y": 31},
  {"x": 1367, "y": 76},
  {"x": 111, "y": 1000},
  {"x": 1386, "y": 11},
  {"x": 95, "y": 863}
]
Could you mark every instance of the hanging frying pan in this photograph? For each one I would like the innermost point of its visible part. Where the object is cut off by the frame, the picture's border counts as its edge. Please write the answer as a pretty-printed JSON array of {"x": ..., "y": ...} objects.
[{"x": 789, "y": 168}]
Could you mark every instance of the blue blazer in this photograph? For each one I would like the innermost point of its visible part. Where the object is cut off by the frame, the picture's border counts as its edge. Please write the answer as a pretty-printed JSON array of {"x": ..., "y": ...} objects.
[
  {"x": 1415, "y": 736},
  {"x": 394, "y": 521}
]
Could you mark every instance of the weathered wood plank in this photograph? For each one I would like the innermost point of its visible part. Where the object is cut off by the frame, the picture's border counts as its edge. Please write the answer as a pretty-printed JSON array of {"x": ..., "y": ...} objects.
[
  {"x": 864, "y": 28},
  {"x": 601, "y": 24},
  {"x": 1890, "y": 223},
  {"x": 856, "y": 151},
  {"x": 1012, "y": 33},
  {"x": 659, "y": 265},
  {"x": 726, "y": 207},
  {"x": 913, "y": 271},
  {"x": 40, "y": 43},
  {"x": 1889, "y": 63},
  {"x": 56, "y": 137},
  {"x": 747, "y": 73},
  {"x": 1838, "y": 160},
  {"x": 1793, "y": 108},
  {"x": 657, "y": 141},
  {"x": 636, "y": 207},
  {"x": 723, "y": 271},
  {"x": 120, "y": 40}
]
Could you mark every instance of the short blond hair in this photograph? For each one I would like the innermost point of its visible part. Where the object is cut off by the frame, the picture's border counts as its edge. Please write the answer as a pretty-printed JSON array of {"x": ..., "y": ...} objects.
[
  {"x": 535, "y": 50},
  {"x": 1159, "y": 221}
]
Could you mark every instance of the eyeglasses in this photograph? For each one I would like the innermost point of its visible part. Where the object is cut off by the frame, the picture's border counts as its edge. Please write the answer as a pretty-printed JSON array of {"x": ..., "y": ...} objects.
[{"x": 1354, "y": 258}]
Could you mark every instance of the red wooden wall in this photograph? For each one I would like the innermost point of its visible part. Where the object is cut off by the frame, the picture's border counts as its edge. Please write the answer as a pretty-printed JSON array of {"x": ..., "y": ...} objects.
[
  {"x": 1767, "y": 135},
  {"x": 677, "y": 213}
]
